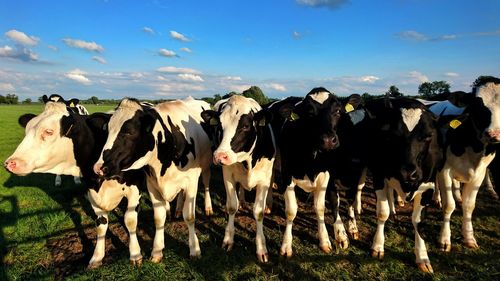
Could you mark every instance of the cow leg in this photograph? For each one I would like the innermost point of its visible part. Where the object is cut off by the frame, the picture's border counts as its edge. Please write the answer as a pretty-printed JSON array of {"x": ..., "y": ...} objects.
[
  {"x": 436, "y": 197},
  {"x": 258, "y": 213},
  {"x": 391, "y": 200},
  {"x": 383, "y": 212},
  {"x": 58, "y": 181},
  {"x": 131, "y": 224},
  {"x": 468, "y": 205},
  {"x": 179, "y": 205},
  {"x": 489, "y": 185},
  {"x": 445, "y": 186},
  {"x": 188, "y": 213},
  {"x": 361, "y": 184},
  {"x": 456, "y": 191},
  {"x": 231, "y": 208},
  {"x": 290, "y": 212},
  {"x": 77, "y": 180},
  {"x": 241, "y": 198},
  {"x": 422, "y": 259},
  {"x": 269, "y": 201},
  {"x": 100, "y": 245},
  {"x": 205, "y": 178},
  {"x": 338, "y": 226},
  {"x": 160, "y": 214},
  {"x": 352, "y": 226}
]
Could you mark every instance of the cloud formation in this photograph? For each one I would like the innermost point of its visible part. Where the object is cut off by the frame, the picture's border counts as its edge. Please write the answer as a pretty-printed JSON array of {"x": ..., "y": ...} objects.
[
  {"x": 412, "y": 35},
  {"x": 186, "y": 49},
  {"x": 21, "y": 38},
  {"x": 78, "y": 76},
  {"x": 276, "y": 86},
  {"x": 148, "y": 30},
  {"x": 167, "y": 53},
  {"x": 177, "y": 70},
  {"x": 18, "y": 53},
  {"x": 190, "y": 77},
  {"x": 330, "y": 4},
  {"x": 451, "y": 74},
  {"x": 99, "y": 60},
  {"x": 178, "y": 36},
  {"x": 8, "y": 87},
  {"x": 80, "y": 44}
]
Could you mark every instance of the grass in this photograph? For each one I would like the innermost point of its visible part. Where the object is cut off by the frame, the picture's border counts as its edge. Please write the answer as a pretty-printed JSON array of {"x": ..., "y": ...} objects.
[{"x": 48, "y": 233}]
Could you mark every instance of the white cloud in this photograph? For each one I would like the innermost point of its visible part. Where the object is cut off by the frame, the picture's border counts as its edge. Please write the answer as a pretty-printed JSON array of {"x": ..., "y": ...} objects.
[
  {"x": 238, "y": 88},
  {"x": 7, "y": 87},
  {"x": 89, "y": 46},
  {"x": 190, "y": 77},
  {"x": 412, "y": 35},
  {"x": 167, "y": 53},
  {"x": 178, "y": 36},
  {"x": 6, "y": 51},
  {"x": 19, "y": 53},
  {"x": 421, "y": 78},
  {"x": 276, "y": 87},
  {"x": 177, "y": 70},
  {"x": 148, "y": 30},
  {"x": 451, "y": 74},
  {"x": 296, "y": 35},
  {"x": 369, "y": 79},
  {"x": 232, "y": 78},
  {"x": 180, "y": 89},
  {"x": 78, "y": 76},
  {"x": 331, "y": 4},
  {"x": 99, "y": 60},
  {"x": 22, "y": 38},
  {"x": 53, "y": 48},
  {"x": 187, "y": 50}
]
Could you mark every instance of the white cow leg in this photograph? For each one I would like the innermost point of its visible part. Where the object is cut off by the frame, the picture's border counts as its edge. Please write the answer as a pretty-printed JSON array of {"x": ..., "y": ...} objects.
[
  {"x": 391, "y": 200},
  {"x": 352, "y": 226},
  {"x": 77, "y": 180},
  {"x": 290, "y": 212},
  {"x": 445, "y": 186},
  {"x": 100, "y": 245},
  {"x": 456, "y": 191},
  {"x": 269, "y": 201},
  {"x": 205, "y": 178},
  {"x": 189, "y": 217},
  {"x": 131, "y": 224},
  {"x": 241, "y": 198},
  {"x": 361, "y": 184},
  {"x": 232, "y": 208},
  {"x": 340, "y": 234},
  {"x": 58, "y": 181},
  {"x": 422, "y": 259},
  {"x": 179, "y": 205},
  {"x": 377, "y": 250},
  {"x": 160, "y": 214},
  {"x": 258, "y": 213},
  {"x": 468, "y": 205}
]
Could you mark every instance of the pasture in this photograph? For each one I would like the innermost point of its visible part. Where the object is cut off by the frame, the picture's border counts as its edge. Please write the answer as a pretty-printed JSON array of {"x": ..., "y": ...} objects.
[{"x": 48, "y": 233}]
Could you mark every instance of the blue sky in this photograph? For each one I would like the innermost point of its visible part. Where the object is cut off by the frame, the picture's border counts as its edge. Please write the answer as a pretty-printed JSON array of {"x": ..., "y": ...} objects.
[{"x": 169, "y": 49}]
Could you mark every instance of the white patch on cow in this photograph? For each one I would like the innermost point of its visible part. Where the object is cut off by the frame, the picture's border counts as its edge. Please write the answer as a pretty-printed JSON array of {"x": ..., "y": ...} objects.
[
  {"x": 357, "y": 116},
  {"x": 490, "y": 94},
  {"x": 411, "y": 117},
  {"x": 320, "y": 97}
]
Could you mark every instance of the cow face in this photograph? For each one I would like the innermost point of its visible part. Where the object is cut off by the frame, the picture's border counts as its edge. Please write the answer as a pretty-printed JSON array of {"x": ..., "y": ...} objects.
[
  {"x": 130, "y": 139},
  {"x": 236, "y": 128},
  {"x": 319, "y": 114},
  {"x": 485, "y": 112},
  {"x": 47, "y": 146}
]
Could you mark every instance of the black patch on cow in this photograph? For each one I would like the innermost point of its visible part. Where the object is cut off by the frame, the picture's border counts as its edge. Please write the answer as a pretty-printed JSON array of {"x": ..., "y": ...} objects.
[
  {"x": 25, "y": 118},
  {"x": 427, "y": 197},
  {"x": 101, "y": 220},
  {"x": 245, "y": 135}
]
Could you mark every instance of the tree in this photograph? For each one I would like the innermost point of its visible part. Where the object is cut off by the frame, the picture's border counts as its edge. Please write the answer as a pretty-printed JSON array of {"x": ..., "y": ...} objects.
[
  {"x": 94, "y": 100},
  {"x": 256, "y": 93},
  {"x": 394, "y": 92},
  {"x": 11, "y": 99},
  {"x": 430, "y": 89},
  {"x": 27, "y": 101}
]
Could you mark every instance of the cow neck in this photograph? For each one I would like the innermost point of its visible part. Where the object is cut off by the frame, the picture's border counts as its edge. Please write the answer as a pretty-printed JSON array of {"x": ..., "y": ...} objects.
[
  {"x": 461, "y": 138},
  {"x": 265, "y": 145}
]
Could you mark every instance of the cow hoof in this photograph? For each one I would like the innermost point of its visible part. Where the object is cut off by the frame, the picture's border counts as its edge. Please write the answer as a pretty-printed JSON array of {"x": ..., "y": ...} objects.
[
  {"x": 94, "y": 265},
  {"x": 445, "y": 247},
  {"x": 195, "y": 256},
  {"x": 327, "y": 248},
  {"x": 263, "y": 257},
  {"x": 471, "y": 244},
  {"x": 437, "y": 203},
  {"x": 354, "y": 235},
  {"x": 401, "y": 203},
  {"x": 178, "y": 214},
  {"x": 209, "y": 212},
  {"x": 267, "y": 210},
  {"x": 344, "y": 244},
  {"x": 136, "y": 262},
  {"x": 227, "y": 246},
  {"x": 425, "y": 267},
  {"x": 286, "y": 253},
  {"x": 156, "y": 259},
  {"x": 377, "y": 254}
]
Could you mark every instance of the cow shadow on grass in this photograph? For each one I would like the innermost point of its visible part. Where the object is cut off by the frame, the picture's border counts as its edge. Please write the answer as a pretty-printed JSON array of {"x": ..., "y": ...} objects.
[{"x": 8, "y": 218}]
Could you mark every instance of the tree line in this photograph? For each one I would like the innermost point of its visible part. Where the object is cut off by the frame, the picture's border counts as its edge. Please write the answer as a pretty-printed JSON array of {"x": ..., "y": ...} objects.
[{"x": 427, "y": 90}]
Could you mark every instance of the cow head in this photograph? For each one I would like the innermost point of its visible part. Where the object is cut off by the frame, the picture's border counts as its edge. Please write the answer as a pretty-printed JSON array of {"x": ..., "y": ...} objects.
[
  {"x": 49, "y": 142},
  {"x": 484, "y": 111},
  {"x": 236, "y": 125},
  {"x": 318, "y": 115},
  {"x": 130, "y": 141}
]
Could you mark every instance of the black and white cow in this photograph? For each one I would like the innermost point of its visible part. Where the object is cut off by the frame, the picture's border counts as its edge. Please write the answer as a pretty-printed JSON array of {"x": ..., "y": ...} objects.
[
  {"x": 169, "y": 142},
  {"x": 470, "y": 148},
  {"x": 307, "y": 137},
  {"x": 77, "y": 108},
  {"x": 60, "y": 141},
  {"x": 246, "y": 153}
]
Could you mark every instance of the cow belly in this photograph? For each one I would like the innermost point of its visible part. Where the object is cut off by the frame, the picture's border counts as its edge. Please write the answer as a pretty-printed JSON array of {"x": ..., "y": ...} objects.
[
  {"x": 258, "y": 175},
  {"x": 308, "y": 185},
  {"x": 175, "y": 180},
  {"x": 466, "y": 167}
]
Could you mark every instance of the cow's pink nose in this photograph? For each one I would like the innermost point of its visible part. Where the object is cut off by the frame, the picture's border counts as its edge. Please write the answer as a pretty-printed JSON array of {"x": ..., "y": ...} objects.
[
  {"x": 10, "y": 165},
  {"x": 495, "y": 134},
  {"x": 221, "y": 158},
  {"x": 97, "y": 169}
]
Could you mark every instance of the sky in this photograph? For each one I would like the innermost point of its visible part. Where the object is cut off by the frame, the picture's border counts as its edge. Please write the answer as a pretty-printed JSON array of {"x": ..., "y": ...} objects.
[{"x": 164, "y": 49}]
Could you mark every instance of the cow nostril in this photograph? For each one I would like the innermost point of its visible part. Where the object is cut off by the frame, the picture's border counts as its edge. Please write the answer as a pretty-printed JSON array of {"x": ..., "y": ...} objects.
[
  {"x": 413, "y": 175},
  {"x": 104, "y": 170}
]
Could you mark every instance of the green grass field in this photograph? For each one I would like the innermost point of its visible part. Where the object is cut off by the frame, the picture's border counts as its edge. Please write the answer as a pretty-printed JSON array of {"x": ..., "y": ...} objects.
[{"x": 48, "y": 233}]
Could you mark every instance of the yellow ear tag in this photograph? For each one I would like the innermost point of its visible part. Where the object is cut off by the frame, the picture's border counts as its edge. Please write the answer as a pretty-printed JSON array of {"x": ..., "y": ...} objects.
[
  {"x": 294, "y": 116},
  {"x": 262, "y": 122},
  {"x": 349, "y": 108},
  {"x": 455, "y": 123},
  {"x": 71, "y": 104},
  {"x": 214, "y": 122}
]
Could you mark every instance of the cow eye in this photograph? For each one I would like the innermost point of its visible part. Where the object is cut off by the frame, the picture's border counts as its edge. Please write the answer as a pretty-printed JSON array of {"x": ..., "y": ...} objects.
[
  {"x": 245, "y": 127},
  {"x": 47, "y": 133}
]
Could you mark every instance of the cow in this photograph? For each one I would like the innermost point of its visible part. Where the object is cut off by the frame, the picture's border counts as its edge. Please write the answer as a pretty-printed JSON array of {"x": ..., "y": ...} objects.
[
  {"x": 246, "y": 152},
  {"x": 169, "y": 143},
  {"x": 77, "y": 108},
  {"x": 60, "y": 141},
  {"x": 469, "y": 149},
  {"x": 306, "y": 138}
]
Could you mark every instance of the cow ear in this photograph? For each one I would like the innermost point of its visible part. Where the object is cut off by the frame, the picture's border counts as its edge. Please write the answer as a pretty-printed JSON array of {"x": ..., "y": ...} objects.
[
  {"x": 353, "y": 102},
  {"x": 387, "y": 101},
  {"x": 286, "y": 111},
  {"x": 460, "y": 99},
  {"x": 25, "y": 118},
  {"x": 262, "y": 118},
  {"x": 67, "y": 123},
  {"x": 45, "y": 99},
  {"x": 147, "y": 122},
  {"x": 210, "y": 117},
  {"x": 72, "y": 102},
  {"x": 98, "y": 121}
]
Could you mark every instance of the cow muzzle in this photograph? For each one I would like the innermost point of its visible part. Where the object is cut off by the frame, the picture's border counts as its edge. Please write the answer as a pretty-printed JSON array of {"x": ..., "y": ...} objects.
[
  {"x": 330, "y": 142},
  {"x": 16, "y": 166},
  {"x": 222, "y": 158},
  {"x": 410, "y": 174},
  {"x": 493, "y": 135}
]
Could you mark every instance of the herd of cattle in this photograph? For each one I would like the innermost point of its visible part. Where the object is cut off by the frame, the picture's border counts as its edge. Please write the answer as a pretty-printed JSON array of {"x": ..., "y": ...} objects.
[{"x": 317, "y": 143}]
